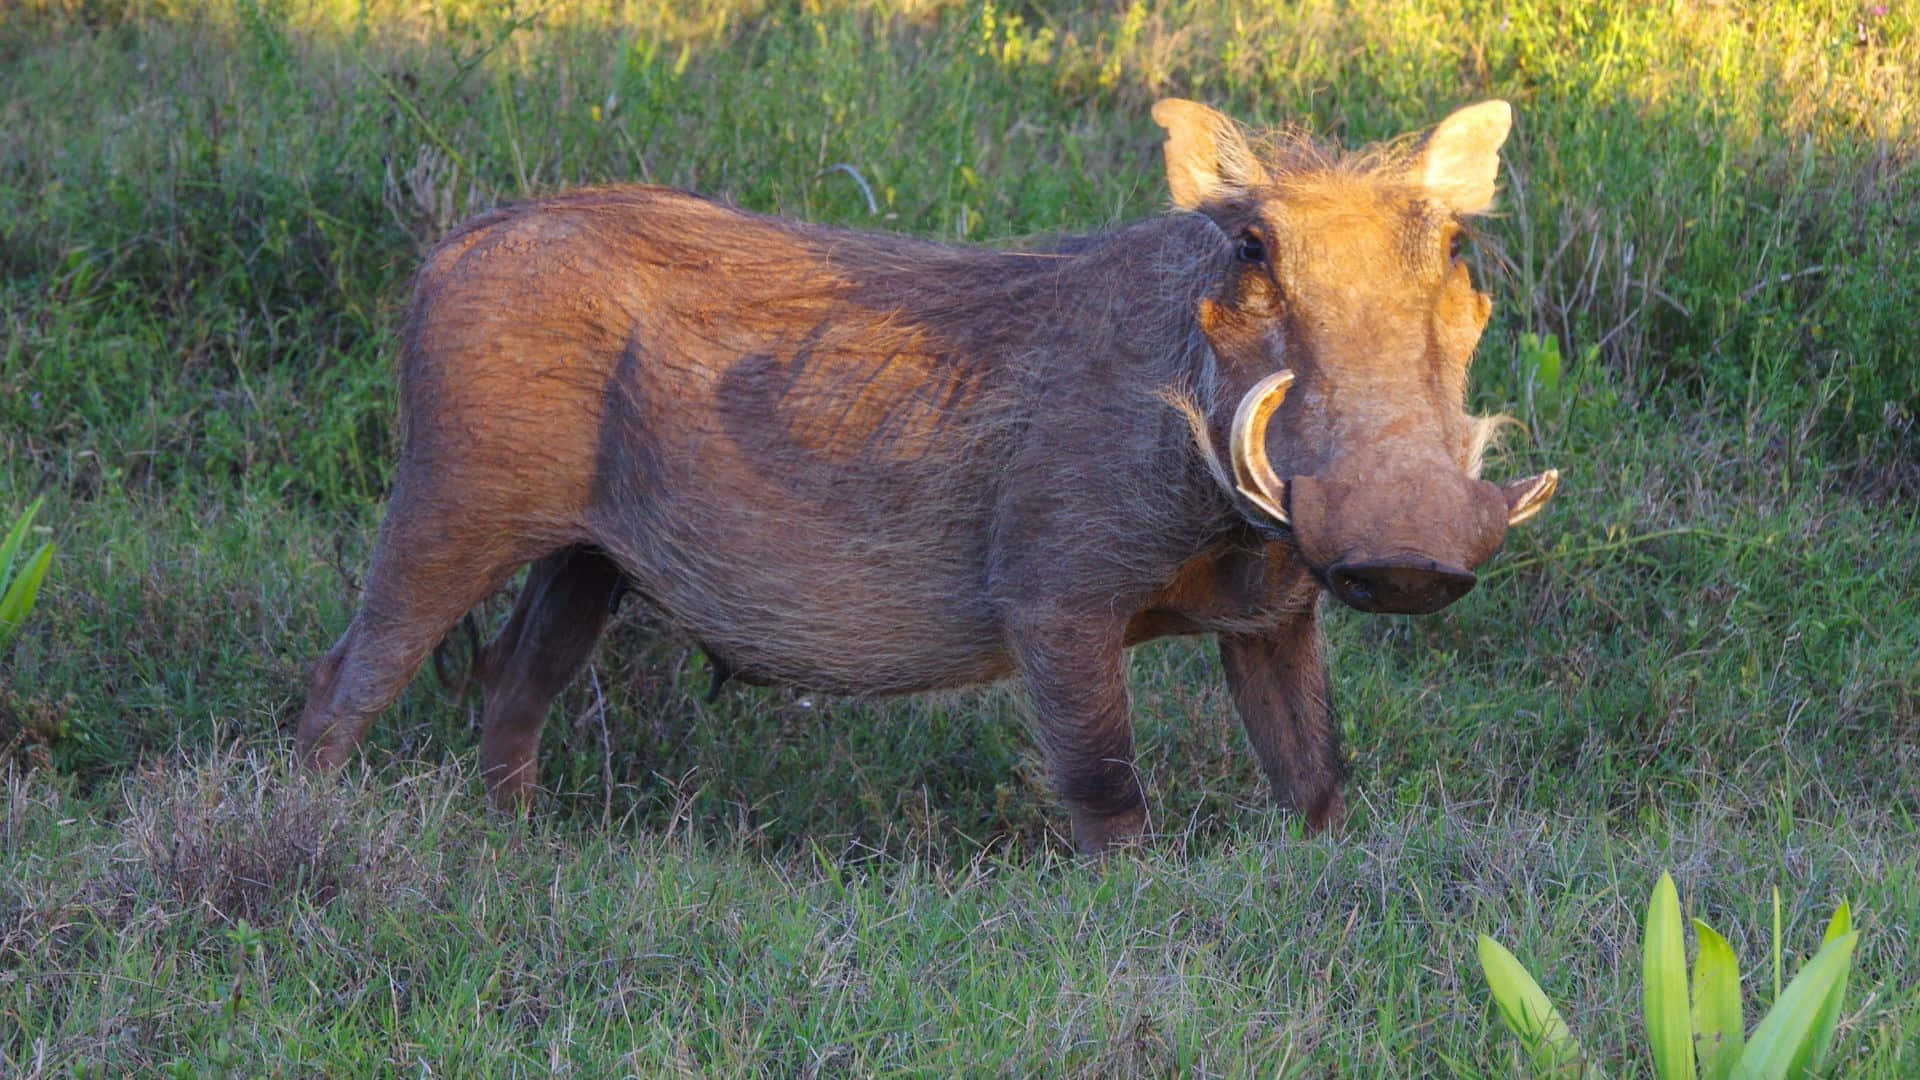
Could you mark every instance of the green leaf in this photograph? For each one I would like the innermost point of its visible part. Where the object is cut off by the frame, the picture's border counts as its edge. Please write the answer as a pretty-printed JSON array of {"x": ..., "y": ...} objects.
[
  {"x": 19, "y": 596},
  {"x": 1812, "y": 1055},
  {"x": 1664, "y": 967},
  {"x": 11, "y": 546},
  {"x": 1549, "y": 370},
  {"x": 1526, "y": 1010},
  {"x": 1717, "y": 1033},
  {"x": 1840, "y": 925},
  {"x": 1543, "y": 356},
  {"x": 1790, "y": 1024}
]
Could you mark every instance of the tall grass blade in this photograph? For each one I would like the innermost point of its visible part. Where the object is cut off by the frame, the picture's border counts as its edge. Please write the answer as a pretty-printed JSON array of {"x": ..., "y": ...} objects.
[
  {"x": 1664, "y": 967},
  {"x": 1776, "y": 943},
  {"x": 1717, "y": 1033},
  {"x": 1527, "y": 1012},
  {"x": 1790, "y": 1024}
]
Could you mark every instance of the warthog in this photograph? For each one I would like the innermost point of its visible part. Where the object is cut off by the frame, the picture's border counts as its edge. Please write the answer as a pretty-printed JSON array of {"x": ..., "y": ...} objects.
[{"x": 871, "y": 464}]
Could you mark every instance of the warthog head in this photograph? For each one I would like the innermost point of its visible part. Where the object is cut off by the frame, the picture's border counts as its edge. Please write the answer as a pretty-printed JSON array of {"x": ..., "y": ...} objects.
[{"x": 1343, "y": 338}]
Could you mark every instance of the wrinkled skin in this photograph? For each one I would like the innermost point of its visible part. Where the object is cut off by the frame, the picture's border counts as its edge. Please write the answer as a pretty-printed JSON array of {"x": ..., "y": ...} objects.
[{"x": 869, "y": 464}]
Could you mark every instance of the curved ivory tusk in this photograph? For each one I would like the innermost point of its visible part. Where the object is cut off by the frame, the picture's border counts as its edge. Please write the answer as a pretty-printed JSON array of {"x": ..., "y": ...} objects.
[
  {"x": 1251, "y": 473},
  {"x": 1527, "y": 497}
]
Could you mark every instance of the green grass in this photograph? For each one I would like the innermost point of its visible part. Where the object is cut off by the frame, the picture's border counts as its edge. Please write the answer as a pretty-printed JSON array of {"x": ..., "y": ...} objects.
[
  {"x": 243, "y": 920},
  {"x": 1705, "y": 657}
]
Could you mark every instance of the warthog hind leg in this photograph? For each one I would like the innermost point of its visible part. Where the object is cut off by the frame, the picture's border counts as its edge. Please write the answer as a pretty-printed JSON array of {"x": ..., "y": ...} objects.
[
  {"x": 423, "y": 578},
  {"x": 562, "y": 608}
]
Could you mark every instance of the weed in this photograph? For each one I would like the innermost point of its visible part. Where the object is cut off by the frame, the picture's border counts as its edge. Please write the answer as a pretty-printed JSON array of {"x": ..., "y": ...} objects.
[{"x": 1792, "y": 1040}]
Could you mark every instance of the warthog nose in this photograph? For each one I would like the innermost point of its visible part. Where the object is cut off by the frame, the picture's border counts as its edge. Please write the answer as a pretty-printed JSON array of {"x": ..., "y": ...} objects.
[{"x": 1398, "y": 586}]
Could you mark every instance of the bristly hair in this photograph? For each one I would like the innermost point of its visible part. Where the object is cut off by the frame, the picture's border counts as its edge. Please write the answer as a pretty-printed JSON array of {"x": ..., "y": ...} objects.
[
  {"x": 1188, "y": 406},
  {"x": 1291, "y": 151},
  {"x": 1484, "y": 436}
]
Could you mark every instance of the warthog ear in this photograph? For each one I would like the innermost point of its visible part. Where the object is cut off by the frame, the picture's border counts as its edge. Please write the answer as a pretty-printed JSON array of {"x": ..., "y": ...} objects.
[
  {"x": 1207, "y": 157},
  {"x": 1460, "y": 160}
]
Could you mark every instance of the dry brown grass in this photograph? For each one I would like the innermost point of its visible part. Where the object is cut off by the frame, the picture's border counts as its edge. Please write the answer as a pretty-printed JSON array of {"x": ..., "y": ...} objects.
[
  {"x": 225, "y": 838},
  {"x": 244, "y": 840}
]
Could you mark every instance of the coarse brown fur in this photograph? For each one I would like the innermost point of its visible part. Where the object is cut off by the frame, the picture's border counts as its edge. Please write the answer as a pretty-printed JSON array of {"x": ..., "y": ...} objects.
[{"x": 871, "y": 464}]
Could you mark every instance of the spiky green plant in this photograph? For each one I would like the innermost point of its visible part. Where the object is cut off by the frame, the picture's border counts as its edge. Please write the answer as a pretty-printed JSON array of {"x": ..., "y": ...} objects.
[{"x": 1791, "y": 1041}]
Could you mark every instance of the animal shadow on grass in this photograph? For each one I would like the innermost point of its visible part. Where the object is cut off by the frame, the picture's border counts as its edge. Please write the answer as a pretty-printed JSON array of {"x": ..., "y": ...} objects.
[{"x": 651, "y": 738}]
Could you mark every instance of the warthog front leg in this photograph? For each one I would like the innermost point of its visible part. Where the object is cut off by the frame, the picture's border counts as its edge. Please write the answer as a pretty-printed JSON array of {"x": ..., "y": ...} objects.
[
  {"x": 1077, "y": 678},
  {"x": 1279, "y": 686}
]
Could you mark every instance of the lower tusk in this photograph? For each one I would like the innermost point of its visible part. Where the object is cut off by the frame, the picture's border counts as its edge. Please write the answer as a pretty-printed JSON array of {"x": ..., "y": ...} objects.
[
  {"x": 1252, "y": 474},
  {"x": 1528, "y": 497}
]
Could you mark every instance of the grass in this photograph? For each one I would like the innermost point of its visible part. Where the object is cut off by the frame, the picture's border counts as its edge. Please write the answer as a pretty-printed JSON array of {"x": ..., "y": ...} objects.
[
  {"x": 1706, "y": 657},
  {"x": 242, "y": 919}
]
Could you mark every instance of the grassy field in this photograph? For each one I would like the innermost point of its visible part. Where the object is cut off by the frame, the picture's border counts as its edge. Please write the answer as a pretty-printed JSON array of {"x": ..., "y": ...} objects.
[{"x": 1705, "y": 657}]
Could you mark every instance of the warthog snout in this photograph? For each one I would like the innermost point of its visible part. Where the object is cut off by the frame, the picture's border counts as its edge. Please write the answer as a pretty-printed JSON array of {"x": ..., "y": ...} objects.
[{"x": 1399, "y": 541}]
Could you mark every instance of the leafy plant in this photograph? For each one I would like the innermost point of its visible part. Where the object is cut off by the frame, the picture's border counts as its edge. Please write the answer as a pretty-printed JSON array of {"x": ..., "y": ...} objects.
[
  {"x": 17, "y": 593},
  {"x": 1549, "y": 380},
  {"x": 1792, "y": 1040},
  {"x": 1540, "y": 361}
]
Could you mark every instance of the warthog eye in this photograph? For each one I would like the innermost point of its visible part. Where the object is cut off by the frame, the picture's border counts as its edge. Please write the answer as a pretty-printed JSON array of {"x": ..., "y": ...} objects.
[{"x": 1251, "y": 249}]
